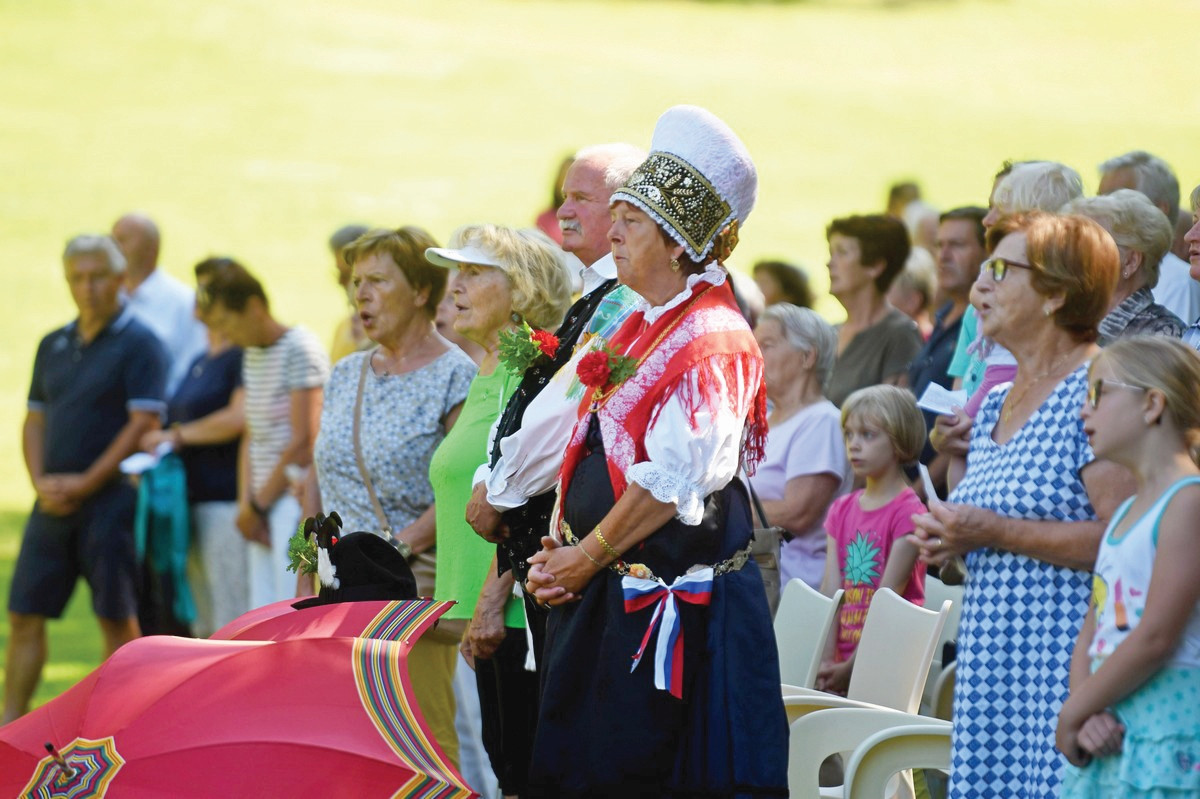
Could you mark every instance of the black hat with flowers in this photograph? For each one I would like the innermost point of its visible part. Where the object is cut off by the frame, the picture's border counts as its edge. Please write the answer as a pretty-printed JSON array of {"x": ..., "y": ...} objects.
[{"x": 356, "y": 567}]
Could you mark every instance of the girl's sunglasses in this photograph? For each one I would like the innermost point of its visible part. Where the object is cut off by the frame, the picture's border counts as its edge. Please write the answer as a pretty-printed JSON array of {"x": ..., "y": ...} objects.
[{"x": 1096, "y": 388}]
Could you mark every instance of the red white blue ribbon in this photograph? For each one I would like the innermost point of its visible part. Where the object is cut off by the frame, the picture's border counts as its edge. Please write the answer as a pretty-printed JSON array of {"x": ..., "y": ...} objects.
[{"x": 695, "y": 589}]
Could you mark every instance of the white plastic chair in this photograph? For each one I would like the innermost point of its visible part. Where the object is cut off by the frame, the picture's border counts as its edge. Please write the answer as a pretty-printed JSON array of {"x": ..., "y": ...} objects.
[
  {"x": 937, "y": 592},
  {"x": 921, "y": 743},
  {"x": 803, "y": 624},
  {"x": 892, "y": 664},
  {"x": 880, "y": 744},
  {"x": 890, "y": 670}
]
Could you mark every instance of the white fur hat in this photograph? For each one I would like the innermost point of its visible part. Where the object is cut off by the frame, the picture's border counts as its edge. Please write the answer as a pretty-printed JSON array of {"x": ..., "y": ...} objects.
[{"x": 697, "y": 181}]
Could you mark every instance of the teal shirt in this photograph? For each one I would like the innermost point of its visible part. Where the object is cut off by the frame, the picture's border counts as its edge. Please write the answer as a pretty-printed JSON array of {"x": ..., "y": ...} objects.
[{"x": 964, "y": 364}]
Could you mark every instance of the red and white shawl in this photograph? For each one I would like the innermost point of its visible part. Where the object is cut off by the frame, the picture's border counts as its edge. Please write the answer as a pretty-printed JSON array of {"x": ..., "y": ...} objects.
[{"x": 701, "y": 353}]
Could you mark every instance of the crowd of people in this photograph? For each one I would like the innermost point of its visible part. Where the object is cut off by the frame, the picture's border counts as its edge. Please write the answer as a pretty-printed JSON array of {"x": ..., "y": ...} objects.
[{"x": 561, "y": 434}]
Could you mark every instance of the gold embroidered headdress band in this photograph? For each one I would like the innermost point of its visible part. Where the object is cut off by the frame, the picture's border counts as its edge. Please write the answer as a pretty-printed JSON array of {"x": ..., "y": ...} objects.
[{"x": 698, "y": 184}]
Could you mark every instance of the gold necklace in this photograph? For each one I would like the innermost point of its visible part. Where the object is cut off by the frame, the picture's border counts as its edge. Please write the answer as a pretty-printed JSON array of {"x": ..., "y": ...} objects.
[{"x": 1009, "y": 407}]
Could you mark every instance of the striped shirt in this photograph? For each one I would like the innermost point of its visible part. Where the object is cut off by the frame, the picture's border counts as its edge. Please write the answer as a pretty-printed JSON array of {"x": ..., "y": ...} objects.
[{"x": 270, "y": 375}]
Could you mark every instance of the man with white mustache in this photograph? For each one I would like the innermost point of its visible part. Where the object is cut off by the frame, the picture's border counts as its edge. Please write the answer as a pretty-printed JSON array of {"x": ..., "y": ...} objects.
[{"x": 514, "y": 493}]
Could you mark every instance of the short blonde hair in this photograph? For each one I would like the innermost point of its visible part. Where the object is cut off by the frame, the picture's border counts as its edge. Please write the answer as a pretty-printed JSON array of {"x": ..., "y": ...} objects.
[
  {"x": 535, "y": 266},
  {"x": 1163, "y": 364},
  {"x": 895, "y": 410},
  {"x": 1134, "y": 222}
]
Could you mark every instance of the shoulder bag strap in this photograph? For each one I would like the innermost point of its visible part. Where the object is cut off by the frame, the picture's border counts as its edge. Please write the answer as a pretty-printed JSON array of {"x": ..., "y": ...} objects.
[
  {"x": 762, "y": 516},
  {"x": 384, "y": 527}
]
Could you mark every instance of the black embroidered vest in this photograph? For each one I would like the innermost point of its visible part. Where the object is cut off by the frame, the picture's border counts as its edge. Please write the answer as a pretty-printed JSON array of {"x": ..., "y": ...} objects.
[{"x": 529, "y": 522}]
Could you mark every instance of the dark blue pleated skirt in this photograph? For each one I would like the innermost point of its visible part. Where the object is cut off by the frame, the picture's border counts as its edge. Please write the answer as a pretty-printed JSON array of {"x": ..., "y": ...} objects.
[{"x": 606, "y": 732}]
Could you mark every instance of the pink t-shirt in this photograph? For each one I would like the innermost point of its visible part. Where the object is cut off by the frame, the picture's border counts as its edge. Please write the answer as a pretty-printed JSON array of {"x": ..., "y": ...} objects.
[
  {"x": 809, "y": 442},
  {"x": 864, "y": 541}
]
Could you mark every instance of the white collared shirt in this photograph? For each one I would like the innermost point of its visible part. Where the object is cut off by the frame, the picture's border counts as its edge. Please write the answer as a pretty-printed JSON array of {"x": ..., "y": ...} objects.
[{"x": 166, "y": 306}]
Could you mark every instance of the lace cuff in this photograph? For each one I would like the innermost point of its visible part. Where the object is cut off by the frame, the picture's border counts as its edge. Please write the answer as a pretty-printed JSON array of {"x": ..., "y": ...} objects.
[{"x": 668, "y": 486}]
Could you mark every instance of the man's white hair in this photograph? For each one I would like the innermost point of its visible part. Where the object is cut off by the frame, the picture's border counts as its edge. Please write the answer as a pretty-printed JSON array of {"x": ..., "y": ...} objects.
[
  {"x": 618, "y": 160},
  {"x": 1153, "y": 178}
]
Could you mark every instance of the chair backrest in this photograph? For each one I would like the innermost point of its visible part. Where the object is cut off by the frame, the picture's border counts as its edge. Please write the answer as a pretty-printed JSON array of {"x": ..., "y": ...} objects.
[
  {"x": 871, "y": 767},
  {"x": 937, "y": 592},
  {"x": 803, "y": 624},
  {"x": 895, "y": 651}
]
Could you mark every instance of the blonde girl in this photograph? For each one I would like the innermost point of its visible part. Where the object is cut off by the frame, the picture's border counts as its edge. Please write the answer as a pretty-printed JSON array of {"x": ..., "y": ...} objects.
[
  {"x": 1131, "y": 725},
  {"x": 883, "y": 430}
]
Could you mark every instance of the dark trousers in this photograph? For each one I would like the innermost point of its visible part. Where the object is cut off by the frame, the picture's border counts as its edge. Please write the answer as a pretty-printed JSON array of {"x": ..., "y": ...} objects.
[{"x": 508, "y": 700}]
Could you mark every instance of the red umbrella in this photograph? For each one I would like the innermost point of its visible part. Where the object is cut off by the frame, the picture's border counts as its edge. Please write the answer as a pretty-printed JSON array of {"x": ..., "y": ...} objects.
[
  {"x": 303, "y": 717},
  {"x": 387, "y": 620}
]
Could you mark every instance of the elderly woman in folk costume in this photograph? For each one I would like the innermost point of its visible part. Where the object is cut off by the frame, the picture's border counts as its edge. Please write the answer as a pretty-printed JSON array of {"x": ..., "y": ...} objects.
[{"x": 650, "y": 566}]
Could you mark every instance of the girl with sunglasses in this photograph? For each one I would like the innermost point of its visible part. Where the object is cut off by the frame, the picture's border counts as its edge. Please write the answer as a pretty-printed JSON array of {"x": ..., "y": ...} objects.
[{"x": 1131, "y": 725}]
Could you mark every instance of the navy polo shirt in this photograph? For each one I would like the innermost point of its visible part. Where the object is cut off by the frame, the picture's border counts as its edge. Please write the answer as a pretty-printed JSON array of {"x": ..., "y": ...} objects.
[
  {"x": 932, "y": 365},
  {"x": 86, "y": 391}
]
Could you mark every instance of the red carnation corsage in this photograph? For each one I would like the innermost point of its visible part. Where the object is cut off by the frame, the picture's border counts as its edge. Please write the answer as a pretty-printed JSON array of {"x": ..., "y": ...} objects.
[
  {"x": 521, "y": 348},
  {"x": 602, "y": 367}
]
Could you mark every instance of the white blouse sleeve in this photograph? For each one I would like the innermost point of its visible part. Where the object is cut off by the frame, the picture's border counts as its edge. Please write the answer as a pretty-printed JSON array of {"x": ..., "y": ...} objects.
[
  {"x": 531, "y": 458},
  {"x": 693, "y": 455}
]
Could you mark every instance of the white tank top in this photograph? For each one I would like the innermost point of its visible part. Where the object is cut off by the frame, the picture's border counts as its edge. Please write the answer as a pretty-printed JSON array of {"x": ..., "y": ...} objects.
[{"x": 1123, "y": 569}]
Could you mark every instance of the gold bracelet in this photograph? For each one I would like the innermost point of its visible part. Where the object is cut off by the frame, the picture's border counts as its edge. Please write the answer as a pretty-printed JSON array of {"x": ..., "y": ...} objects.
[
  {"x": 588, "y": 555},
  {"x": 607, "y": 548}
]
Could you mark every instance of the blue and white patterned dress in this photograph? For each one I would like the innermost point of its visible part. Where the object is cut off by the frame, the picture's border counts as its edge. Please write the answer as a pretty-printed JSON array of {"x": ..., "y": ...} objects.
[{"x": 1021, "y": 616}]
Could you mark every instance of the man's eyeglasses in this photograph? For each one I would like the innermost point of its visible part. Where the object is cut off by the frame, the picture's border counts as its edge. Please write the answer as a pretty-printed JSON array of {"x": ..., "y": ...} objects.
[
  {"x": 1096, "y": 388},
  {"x": 999, "y": 267}
]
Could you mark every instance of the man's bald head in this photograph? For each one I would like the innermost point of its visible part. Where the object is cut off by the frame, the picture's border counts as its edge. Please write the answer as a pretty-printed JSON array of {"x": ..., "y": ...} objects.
[{"x": 138, "y": 237}]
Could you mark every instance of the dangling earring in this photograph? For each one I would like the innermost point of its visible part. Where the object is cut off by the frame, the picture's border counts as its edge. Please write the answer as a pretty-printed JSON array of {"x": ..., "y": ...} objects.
[
  {"x": 515, "y": 317},
  {"x": 675, "y": 267}
]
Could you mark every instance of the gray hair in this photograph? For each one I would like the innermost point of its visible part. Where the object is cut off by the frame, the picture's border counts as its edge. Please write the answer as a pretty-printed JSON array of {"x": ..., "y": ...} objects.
[
  {"x": 1153, "y": 178},
  {"x": 805, "y": 330},
  {"x": 1038, "y": 186},
  {"x": 618, "y": 160},
  {"x": 345, "y": 235},
  {"x": 1195, "y": 199},
  {"x": 1134, "y": 222},
  {"x": 95, "y": 244}
]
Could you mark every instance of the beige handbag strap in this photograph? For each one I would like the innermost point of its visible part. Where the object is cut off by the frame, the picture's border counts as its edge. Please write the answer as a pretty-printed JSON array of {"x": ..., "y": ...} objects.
[{"x": 384, "y": 527}]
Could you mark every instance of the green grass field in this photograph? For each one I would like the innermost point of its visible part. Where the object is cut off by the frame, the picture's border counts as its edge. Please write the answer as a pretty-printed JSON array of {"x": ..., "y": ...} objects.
[{"x": 255, "y": 127}]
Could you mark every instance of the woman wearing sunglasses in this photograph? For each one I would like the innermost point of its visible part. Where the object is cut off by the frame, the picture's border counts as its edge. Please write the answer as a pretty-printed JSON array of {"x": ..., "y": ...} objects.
[{"x": 1030, "y": 510}]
